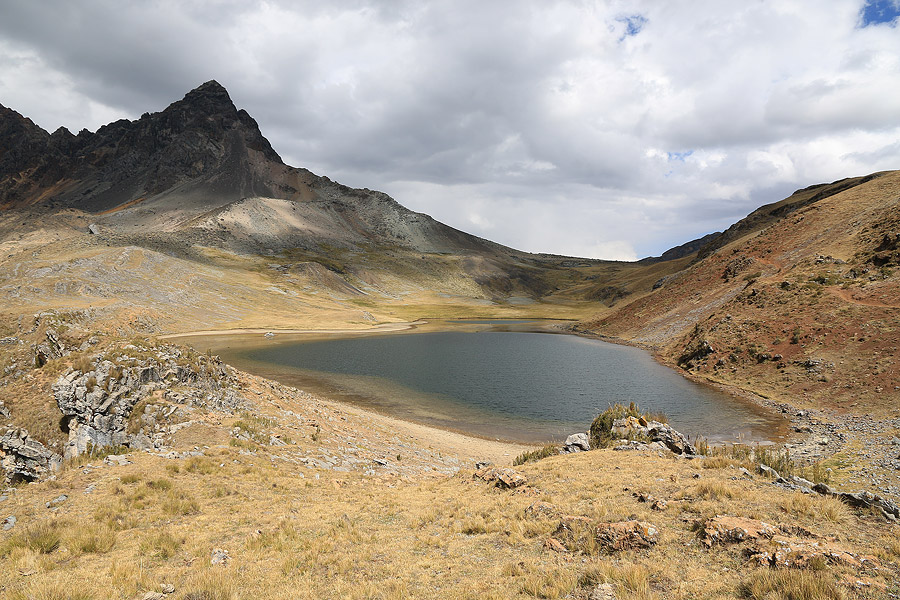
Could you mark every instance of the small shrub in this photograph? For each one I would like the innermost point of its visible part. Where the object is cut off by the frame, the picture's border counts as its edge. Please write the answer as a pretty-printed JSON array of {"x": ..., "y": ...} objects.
[
  {"x": 533, "y": 455},
  {"x": 132, "y": 478},
  {"x": 601, "y": 428}
]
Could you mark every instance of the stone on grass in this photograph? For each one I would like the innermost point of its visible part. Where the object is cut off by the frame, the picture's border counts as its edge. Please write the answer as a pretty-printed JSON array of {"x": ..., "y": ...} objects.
[
  {"x": 578, "y": 442},
  {"x": 724, "y": 529},
  {"x": 627, "y": 535},
  {"x": 503, "y": 478},
  {"x": 219, "y": 557}
]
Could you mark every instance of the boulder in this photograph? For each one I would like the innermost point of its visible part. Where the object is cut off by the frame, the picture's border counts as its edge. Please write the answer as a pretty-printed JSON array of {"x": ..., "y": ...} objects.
[
  {"x": 503, "y": 478},
  {"x": 577, "y": 442},
  {"x": 767, "y": 471},
  {"x": 626, "y": 535},
  {"x": 724, "y": 529},
  {"x": 96, "y": 405}
]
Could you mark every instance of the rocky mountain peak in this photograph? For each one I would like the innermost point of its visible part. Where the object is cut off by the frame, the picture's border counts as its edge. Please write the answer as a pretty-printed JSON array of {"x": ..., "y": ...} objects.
[
  {"x": 208, "y": 99},
  {"x": 202, "y": 140}
]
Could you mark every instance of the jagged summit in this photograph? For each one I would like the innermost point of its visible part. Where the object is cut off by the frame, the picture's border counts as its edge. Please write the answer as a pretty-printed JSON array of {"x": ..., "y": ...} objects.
[
  {"x": 202, "y": 142},
  {"x": 202, "y": 171}
]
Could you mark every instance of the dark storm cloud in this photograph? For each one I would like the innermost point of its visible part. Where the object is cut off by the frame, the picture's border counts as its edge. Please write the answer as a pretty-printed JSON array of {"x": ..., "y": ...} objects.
[{"x": 613, "y": 129}]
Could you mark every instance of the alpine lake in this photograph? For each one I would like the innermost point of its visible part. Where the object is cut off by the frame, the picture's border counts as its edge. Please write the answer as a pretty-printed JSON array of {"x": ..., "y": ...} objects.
[{"x": 506, "y": 380}]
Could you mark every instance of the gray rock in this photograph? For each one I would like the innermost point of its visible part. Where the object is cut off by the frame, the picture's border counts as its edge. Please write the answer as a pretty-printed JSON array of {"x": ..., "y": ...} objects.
[
  {"x": 25, "y": 459},
  {"x": 94, "y": 229},
  {"x": 768, "y": 471},
  {"x": 578, "y": 442},
  {"x": 9, "y": 522},
  {"x": 219, "y": 557},
  {"x": 870, "y": 500},
  {"x": 117, "y": 459},
  {"x": 57, "y": 501},
  {"x": 746, "y": 473}
]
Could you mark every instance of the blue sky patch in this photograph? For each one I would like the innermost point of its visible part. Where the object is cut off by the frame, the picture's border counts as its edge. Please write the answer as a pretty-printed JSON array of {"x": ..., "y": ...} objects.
[
  {"x": 633, "y": 25},
  {"x": 679, "y": 156},
  {"x": 876, "y": 12}
]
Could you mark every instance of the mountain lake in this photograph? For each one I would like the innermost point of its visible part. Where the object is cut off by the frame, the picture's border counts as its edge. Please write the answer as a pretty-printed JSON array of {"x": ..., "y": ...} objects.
[{"x": 508, "y": 380}]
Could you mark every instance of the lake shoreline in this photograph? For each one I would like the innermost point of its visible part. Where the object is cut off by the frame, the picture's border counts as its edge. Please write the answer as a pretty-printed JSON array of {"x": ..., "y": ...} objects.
[{"x": 253, "y": 338}]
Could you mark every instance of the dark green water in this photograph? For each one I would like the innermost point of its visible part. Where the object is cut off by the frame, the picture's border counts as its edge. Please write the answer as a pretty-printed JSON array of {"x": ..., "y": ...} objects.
[{"x": 511, "y": 385}]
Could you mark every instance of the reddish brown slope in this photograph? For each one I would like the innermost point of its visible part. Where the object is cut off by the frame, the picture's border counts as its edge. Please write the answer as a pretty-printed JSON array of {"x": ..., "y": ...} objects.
[{"x": 804, "y": 310}]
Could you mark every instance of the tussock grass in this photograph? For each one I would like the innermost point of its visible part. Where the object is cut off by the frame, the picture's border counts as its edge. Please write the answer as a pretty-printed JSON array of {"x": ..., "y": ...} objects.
[
  {"x": 786, "y": 584},
  {"x": 43, "y": 537},
  {"x": 211, "y": 584},
  {"x": 633, "y": 578},
  {"x": 716, "y": 462},
  {"x": 200, "y": 466},
  {"x": 179, "y": 503},
  {"x": 818, "y": 507},
  {"x": 161, "y": 544},
  {"x": 551, "y": 583},
  {"x": 51, "y": 590},
  {"x": 93, "y": 539},
  {"x": 350, "y": 535},
  {"x": 710, "y": 490}
]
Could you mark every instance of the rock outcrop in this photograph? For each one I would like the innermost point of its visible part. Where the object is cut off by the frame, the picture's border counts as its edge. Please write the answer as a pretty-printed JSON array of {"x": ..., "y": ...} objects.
[
  {"x": 631, "y": 428},
  {"x": 97, "y": 406},
  {"x": 25, "y": 459},
  {"x": 627, "y": 535}
]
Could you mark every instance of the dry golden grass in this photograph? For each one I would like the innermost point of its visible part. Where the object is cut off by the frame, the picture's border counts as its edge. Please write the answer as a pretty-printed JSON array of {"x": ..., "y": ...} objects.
[
  {"x": 790, "y": 585},
  {"x": 348, "y": 535}
]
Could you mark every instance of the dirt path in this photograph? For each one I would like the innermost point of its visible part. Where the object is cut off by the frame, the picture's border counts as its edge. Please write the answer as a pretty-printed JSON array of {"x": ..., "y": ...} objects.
[{"x": 847, "y": 296}]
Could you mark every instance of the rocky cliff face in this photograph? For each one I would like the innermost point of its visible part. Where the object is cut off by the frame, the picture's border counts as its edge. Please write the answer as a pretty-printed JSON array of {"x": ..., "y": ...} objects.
[{"x": 201, "y": 140}]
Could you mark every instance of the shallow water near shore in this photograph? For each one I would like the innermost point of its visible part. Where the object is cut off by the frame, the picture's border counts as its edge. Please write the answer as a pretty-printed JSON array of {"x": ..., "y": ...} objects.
[{"x": 501, "y": 380}]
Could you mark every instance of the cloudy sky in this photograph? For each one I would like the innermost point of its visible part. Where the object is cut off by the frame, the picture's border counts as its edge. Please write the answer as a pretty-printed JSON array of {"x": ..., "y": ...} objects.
[{"x": 609, "y": 129}]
